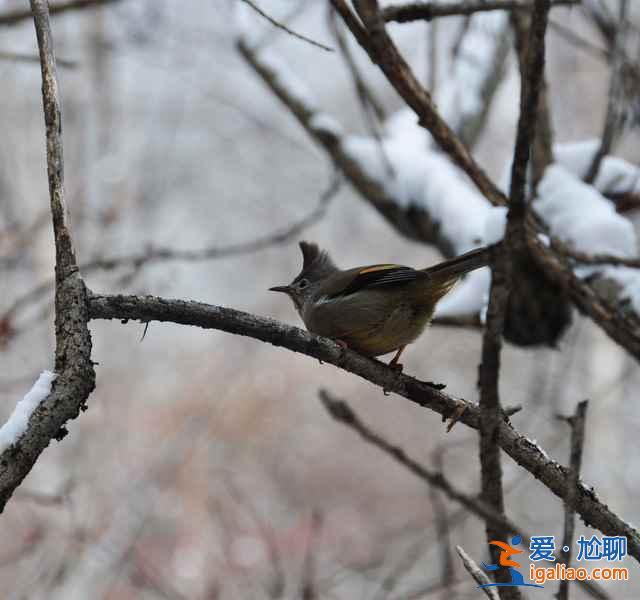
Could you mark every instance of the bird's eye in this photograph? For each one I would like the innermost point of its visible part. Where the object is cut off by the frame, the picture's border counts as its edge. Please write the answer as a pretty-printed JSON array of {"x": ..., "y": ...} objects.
[{"x": 303, "y": 283}]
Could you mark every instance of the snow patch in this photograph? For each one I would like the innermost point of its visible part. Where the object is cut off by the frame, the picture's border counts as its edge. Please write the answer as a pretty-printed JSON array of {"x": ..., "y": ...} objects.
[{"x": 16, "y": 425}]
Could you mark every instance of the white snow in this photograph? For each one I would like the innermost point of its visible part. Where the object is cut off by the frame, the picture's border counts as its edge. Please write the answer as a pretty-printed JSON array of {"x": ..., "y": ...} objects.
[
  {"x": 616, "y": 175},
  {"x": 324, "y": 122},
  {"x": 425, "y": 179},
  {"x": 16, "y": 425},
  {"x": 578, "y": 214}
]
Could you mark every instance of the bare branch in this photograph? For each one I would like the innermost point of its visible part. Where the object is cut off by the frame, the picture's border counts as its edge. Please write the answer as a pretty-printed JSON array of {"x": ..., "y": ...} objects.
[
  {"x": 164, "y": 254},
  {"x": 501, "y": 281},
  {"x": 577, "y": 424},
  {"x": 425, "y": 11},
  {"x": 19, "y": 16},
  {"x": 342, "y": 412},
  {"x": 76, "y": 377},
  {"x": 283, "y": 27},
  {"x": 613, "y": 118}
]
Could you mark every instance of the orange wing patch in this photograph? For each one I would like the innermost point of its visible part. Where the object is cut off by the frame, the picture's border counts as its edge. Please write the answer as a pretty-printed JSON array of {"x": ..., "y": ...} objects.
[{"x": 376, "y": 268}]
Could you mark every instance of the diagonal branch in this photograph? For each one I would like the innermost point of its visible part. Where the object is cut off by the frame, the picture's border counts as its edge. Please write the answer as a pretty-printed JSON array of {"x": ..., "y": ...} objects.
[
  {"x": 75, "y": 374},
  {"x": 284, "y": 28},
  {"x": 525, "y": 452},
  {"x": 375, "y": 40}
]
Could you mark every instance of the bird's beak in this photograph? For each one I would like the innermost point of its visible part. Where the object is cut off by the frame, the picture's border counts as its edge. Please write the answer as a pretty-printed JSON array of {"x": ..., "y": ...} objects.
[{"x": 281, "y": 288}]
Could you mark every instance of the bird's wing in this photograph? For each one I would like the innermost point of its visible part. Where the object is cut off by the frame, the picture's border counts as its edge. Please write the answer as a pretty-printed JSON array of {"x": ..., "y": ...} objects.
[{"x": 379, "y": 276}]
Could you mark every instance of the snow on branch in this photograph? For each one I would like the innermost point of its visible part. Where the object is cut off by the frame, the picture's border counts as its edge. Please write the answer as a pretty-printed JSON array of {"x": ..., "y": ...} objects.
[
  {"x": 16, "y": 425},
  {"x": 582, "y": 217},
  {"x": 615, "y": 176}
]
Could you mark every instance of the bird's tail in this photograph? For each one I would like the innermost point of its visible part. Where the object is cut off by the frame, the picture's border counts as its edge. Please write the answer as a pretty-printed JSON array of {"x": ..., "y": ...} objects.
[{"x": 459, "y": 265}]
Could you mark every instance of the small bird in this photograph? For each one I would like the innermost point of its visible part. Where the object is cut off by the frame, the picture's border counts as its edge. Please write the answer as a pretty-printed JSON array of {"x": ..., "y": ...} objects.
[{"x": 375, "y": 309}]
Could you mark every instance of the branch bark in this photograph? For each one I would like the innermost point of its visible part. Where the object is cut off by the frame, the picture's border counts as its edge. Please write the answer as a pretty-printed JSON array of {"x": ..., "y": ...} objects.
[
  {"x": 428, "y": 395},
  {"x": 76, "y": 377},
  {"x": 426, "y": 11}
]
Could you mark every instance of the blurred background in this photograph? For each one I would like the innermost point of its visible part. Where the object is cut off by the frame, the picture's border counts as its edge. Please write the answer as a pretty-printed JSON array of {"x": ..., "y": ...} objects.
[{"x": 205, "y": 465}]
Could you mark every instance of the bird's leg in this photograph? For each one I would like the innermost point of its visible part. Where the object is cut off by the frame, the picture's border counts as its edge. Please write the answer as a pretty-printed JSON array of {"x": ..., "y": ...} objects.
[{"x": 394, "y": 364}]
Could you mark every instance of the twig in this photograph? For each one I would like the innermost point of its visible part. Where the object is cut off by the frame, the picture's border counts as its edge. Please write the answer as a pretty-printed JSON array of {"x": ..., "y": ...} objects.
[
  {"x": 613, "y": 120},
  {"x": 368, "y": 102},
  {"x": 159, "y": 254},
  {"x": 18, "y": 16},
  {"x": 342, "y": 412},
  {"x": 593, "y": 259},
  {"x": 448, "y": 572},
  {"x": 29, "y": 58},
  {"x": 279, "y": 25},
  {"x": 478, "y": 575},
  {"x": 425, "y": 11},
  {"x": 577, "y": 424},
  {"x": 308, "y": 588},
  {"x": 412, "y": 221}
]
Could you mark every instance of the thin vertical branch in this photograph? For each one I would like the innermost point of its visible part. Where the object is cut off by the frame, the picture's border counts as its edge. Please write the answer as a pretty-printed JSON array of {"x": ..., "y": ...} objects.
[
  {"x": 442, "y": 531},
  {"x": 577, "y": 424},
  {"x": 491, "y": 413},
  {"x": 613, "y": 117}
]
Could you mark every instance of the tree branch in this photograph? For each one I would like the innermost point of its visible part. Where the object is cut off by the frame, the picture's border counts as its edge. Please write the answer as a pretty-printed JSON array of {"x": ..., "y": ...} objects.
[
  {"x": 76, "y": 377},
  {"x": 525, "y": 452},
  {"x": 425, "y": 11},
  {"x": 19, "y": 16},
  {"x": 284, "y": 28},
  {"x": 501, "y": 282},
  {"x": 577, "y": 424}
]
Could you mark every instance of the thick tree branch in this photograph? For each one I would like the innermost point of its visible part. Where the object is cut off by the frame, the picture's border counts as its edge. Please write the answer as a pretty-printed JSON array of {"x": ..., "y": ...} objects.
[
  {"x": 76, "y": 377},
  {"x": 525, "y": 452},
  {"x": 425, "y": 11}
]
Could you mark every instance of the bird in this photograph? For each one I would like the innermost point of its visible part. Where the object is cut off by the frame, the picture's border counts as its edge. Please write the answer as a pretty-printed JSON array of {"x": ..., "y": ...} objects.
[{"x": 375, "y": 309}]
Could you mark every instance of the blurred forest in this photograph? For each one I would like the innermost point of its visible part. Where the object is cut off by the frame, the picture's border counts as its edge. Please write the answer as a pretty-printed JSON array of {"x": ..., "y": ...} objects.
[{"x": 205, "y": 465}]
